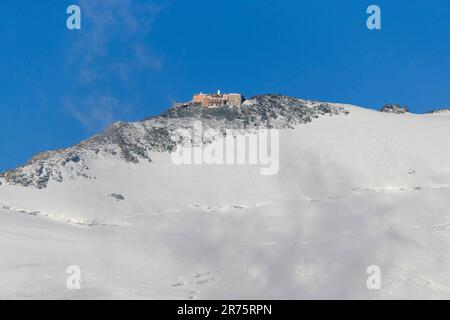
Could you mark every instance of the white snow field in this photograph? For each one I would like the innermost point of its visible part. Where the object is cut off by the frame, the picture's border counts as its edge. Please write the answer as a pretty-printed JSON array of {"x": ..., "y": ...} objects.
[{"x": 366, "y": 188}]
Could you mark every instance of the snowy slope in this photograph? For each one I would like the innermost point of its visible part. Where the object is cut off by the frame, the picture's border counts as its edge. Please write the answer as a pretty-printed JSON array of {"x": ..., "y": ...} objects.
[{"x": 355, "y": 188}]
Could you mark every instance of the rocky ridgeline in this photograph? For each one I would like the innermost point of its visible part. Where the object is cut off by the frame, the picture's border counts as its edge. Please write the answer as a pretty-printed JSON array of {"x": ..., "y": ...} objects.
[
  {"x": 394, "y": 108},
  {"x": 134, "y": 142},
  {"x": 442, "y": 110}
]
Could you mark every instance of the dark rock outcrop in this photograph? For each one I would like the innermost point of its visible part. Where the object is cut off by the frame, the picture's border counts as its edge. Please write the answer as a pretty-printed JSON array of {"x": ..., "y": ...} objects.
[{"x": 394, "y": 108}]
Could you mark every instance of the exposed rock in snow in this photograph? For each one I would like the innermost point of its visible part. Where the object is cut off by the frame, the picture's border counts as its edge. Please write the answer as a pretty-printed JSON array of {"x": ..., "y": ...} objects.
[
  {"x": 394, "y": 108},
  {"x": 441, "y": 110},
  {"x": 117, "y": 196}
]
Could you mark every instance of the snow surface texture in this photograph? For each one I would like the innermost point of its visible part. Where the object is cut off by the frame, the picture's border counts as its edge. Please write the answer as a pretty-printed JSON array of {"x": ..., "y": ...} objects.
[{"x": 355, "y": 188}]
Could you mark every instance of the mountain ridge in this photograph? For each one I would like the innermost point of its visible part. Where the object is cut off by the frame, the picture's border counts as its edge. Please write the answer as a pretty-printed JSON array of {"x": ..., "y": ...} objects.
[
  {"x": 355, "y": 188},
  {"x": 133, "y": 141}
]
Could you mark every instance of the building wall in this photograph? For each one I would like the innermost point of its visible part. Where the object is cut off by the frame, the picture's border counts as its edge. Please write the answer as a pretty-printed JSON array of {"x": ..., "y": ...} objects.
[
  {"x": 234, "y": 100},
  {"x": 218, "y": 100},
  {"x": 199, "y": 97}
]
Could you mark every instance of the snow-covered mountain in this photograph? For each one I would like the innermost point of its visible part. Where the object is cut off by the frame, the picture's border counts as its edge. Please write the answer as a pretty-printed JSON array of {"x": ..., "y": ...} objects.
[{"x": 355, "y": 187}]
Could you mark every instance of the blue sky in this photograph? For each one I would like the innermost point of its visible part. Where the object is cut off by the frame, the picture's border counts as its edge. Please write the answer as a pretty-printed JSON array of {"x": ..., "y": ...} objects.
[{"x": 133, "y": 58}]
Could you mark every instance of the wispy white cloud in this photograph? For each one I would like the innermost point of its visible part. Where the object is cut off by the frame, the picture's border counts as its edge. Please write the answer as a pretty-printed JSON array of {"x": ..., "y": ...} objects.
[
  {"x": 124, "y": 24},
  {"x": 110, "y": 50},
  {"x": 97, "y": 111}
]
